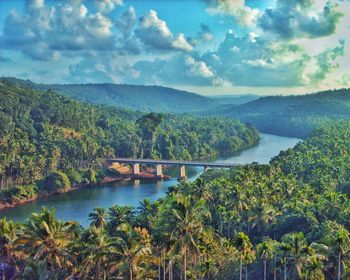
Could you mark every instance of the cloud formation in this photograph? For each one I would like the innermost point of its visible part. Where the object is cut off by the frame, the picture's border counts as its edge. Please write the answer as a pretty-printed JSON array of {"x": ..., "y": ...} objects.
[
  {"x": 300, "y": 18},
  {"x": 245, "y": 15},
  {"x": 294, "y": 43},
  {"x": 154, "y": 32}
]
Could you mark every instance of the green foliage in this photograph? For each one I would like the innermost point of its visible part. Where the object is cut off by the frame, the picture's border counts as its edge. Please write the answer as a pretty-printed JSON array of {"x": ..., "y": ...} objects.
[
  {"x": 18, "y": 193},
  {"x": 295, "y": 116},
  {"x": 75, "y": 177},
  {"x": 56, "y": 181},
  {"x": 287, "y": 219},
  {"x": 44, "y": 132}
]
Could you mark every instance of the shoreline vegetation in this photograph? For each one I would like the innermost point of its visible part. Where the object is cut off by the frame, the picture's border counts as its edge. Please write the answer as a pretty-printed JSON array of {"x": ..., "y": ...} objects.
[
  {"x": 50, "y": 142},
  {"x": 110, "y": 178},
  {"x": 287, "y": 219},
  {"x": 115, "y": 172}
]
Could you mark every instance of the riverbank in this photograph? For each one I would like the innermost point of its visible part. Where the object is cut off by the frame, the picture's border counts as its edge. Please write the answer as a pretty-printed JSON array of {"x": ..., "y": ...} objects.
[
  {"x": 145, "y": 175},
  {"x": 77, "y": 204}
]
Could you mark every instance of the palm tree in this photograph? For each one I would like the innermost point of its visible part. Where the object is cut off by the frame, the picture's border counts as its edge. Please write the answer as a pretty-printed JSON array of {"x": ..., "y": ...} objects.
[
  {"x": 97, "y": 253},
  {"x": 295, "y": 244},
  {"x": 284, "y": 251},
  {"x": 46, "y": 238},
  {"x": 314, "y": 258},
  {"x": 342, "y": 244},
  {"x": 98, "y": 217},
  {"x": 265, "y": 252},
  {"x": 134, "y": 247},
  {"x": 247, "y": 254},
  {"x": 118, "y": 215},
  {"x": 9, "y": 232},
  {"x": 183, "y": 220}
]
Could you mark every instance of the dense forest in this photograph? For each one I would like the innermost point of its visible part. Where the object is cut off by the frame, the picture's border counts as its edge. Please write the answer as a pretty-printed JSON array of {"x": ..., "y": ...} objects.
[
  {"x": 131, "y": 97},
  {"x": 50, "y": 138},
  {"x": 284, "y": 220},
  {"x": 295, "y": 116}
]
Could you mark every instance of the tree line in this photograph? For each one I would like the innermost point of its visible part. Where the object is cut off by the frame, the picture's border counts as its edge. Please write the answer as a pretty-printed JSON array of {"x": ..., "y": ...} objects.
[{"x": 283, "y": 220}]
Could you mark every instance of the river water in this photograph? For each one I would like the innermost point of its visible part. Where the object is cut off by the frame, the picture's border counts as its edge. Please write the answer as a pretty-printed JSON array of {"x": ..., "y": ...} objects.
[{"x": 78, "y": 204}]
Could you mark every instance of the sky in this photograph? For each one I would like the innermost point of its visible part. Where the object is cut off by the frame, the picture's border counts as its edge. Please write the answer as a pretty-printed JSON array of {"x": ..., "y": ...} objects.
[{"x": 205, "y": 46}]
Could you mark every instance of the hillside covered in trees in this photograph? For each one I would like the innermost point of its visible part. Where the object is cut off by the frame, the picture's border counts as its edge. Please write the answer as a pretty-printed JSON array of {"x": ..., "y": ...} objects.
[
  {"x": 46, "y": 135},
  {"x": 288, "y": 220},
  {"x": 131, "y": 97},
  {"x": 295, "y": 116}
]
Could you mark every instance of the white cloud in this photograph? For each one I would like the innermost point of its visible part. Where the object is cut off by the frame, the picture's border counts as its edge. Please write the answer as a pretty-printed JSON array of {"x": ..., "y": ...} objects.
[
  {"x": 181, "y": 43},
  {"x": 244, "y": 15},
  {"x": 198, "y": 68},
  {"x": 154, "y": 32},
  {"x": 106, "y": 6}
]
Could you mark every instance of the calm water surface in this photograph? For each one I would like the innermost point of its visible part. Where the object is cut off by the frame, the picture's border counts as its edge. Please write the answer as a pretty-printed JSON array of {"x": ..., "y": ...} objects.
[{"x": 78, "y": 204}]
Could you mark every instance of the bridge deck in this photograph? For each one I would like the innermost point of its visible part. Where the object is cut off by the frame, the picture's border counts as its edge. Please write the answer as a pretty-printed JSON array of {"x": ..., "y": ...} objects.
[{"x": 174, "y": 162}]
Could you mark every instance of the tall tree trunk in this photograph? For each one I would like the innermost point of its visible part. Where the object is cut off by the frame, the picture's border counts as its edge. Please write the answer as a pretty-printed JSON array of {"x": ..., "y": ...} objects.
[
  {"x": 264, "y": 269},
  {"x": 164, "y": 268},
  {"x": 185, "y": 265},
  {"x": 130, "y": 271},
  {"x": 285, "y": 270},
  {"x": 275, "y": 268},
  {"x": 240, "y": 269},
  {"x": 246, "y": 272},
  {"x": 339, "y": 264}
]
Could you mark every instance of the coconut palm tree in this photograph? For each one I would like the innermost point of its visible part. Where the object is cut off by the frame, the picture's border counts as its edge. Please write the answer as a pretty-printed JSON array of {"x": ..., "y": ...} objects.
[
  {"x": 135, "y": 250},
  {"x": 9, "y": 251},
  {"x": 46, "y": 238},
  {"x": 97, "y": 254},
  {"x": 183, "y": 221},
  {"x": 265, "y": 251},
  {"x": 98, "y": 217},
  {"x": 118, "y": 215},
  {"x": 245, "y": 247}
]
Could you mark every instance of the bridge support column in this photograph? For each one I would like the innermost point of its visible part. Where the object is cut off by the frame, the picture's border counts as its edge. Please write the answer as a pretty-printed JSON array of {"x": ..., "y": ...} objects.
[
  {"x": 182, "y": 172},
  {"x": 136, "y": 168},
  {"x": 159, "y": 170}
]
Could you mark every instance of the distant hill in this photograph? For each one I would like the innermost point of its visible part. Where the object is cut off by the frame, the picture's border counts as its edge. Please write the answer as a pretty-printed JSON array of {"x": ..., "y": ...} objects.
[
  {"x": 234, "y": 99},
  {"x": 140, "y": 98},
  {"x": 143, "y": 98},
  {"x": 290, "y": 115}
]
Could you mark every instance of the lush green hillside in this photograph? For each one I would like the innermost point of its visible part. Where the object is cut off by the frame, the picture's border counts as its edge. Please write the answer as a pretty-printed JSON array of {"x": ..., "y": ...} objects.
[
  {"x": 42, "y": 133},
  {"x": 237, "y": 99},
  {"x": 142, "y": 98},
  {"x": 291, "y": 115},
  {"x": 285, "y": 220}
]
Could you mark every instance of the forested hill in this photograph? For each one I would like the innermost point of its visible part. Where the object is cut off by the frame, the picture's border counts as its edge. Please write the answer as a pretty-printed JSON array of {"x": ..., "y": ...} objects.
[
  {"x": 291, "y": 115},
  {"x": 133, "y": 97},
  {"x": 42, "y": 132}
]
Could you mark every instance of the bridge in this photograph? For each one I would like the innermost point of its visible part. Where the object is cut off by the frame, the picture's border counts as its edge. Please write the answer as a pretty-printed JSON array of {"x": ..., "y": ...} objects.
[{"x": 135, "y": 163}]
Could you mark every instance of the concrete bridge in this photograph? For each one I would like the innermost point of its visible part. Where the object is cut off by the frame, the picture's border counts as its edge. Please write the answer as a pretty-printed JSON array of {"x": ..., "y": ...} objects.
[{"x": 135, "y": 163}]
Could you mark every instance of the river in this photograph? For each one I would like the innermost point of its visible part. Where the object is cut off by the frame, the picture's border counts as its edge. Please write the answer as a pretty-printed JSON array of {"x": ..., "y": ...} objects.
[{"x": 78, "y": 204}]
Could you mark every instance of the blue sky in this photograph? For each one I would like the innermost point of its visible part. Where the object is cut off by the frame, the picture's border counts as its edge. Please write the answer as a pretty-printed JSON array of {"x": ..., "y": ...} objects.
[{"x": 206, "y": 46}]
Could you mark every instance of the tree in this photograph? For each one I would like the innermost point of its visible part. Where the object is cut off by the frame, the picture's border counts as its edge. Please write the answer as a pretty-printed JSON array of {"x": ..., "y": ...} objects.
[
  {"x": 245, "y": 247},
  {"x": 46, "y": 238},
  {"x": 98, "y": 217},
  {"x": 183, "y": 221},
  {"x": 9, "y": 233},
  {"x": 265, "y": 251}
]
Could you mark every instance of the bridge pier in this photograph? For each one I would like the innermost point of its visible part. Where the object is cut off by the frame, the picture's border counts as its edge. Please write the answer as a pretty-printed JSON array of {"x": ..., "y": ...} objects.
[
  {"x": 182, "y": 172},
  {"x": 136, "y": 168},
  {"x": 159, "y": 171}
]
